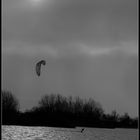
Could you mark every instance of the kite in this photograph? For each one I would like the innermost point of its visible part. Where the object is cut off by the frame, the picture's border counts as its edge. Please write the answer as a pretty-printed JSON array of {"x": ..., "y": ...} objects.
[{"x": 38, "y": 66}]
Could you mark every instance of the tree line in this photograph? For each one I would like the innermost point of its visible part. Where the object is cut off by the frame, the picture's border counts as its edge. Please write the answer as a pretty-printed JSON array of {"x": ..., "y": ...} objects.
[{"x": 60, "y": 111}]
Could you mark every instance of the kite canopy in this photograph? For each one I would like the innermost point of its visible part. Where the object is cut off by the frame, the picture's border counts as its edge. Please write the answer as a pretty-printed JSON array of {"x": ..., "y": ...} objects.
[{"x": 38, "y": 66}]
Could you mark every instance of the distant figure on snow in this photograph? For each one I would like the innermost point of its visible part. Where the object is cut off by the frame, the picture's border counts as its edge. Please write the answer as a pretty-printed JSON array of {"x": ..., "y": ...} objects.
[
  {"x": 38, "y": 66},
  {"x": 82, "y": 130}
]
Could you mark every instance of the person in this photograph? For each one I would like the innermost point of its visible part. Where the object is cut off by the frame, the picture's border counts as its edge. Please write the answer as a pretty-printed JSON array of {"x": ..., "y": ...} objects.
[{"x": 82, "y": 130}]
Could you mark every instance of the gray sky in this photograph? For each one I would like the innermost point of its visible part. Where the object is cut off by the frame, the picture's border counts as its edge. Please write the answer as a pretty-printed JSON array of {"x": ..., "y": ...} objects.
[{"x": 90, "y": 46}]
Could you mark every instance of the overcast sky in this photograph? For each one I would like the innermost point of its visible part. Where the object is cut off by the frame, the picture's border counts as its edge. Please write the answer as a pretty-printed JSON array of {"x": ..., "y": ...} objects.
[{"x": 90, "y": 48}]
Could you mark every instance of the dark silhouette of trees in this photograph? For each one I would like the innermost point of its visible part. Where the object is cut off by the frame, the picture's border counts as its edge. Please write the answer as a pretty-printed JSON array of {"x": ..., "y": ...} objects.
[
  {"x": 59, "y": 111},
  {"x": 81, "y": 112},
  {"x": 125, "y": 121},
  {"x": 10, "y": 107},
  {"x": 75, "y": 110},
  {"x": 53, "y": 102}
]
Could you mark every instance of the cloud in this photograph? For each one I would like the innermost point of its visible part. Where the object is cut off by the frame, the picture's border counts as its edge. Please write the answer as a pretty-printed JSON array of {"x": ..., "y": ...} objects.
[
  {"x": 18, "y": 48},
  {"x": 98, "y": 22},
  {"x": 68, "y": 50}
]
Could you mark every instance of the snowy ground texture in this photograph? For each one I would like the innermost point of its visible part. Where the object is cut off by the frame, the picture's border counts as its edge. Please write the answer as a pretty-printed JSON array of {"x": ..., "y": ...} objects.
[{"x": 51, "y": 133}]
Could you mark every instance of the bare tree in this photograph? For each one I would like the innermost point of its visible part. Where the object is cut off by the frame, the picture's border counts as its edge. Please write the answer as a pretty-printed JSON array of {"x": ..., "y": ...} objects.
[{"x": 9, "y": 102}]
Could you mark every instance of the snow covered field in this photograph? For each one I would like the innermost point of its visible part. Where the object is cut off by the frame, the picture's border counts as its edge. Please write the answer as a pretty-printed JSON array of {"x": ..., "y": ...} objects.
[{"x": 51, "y": 133}]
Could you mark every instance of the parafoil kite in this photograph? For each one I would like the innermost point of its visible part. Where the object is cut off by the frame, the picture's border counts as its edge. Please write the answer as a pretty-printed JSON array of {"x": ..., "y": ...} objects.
[{"x": 38, "y": 66}]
